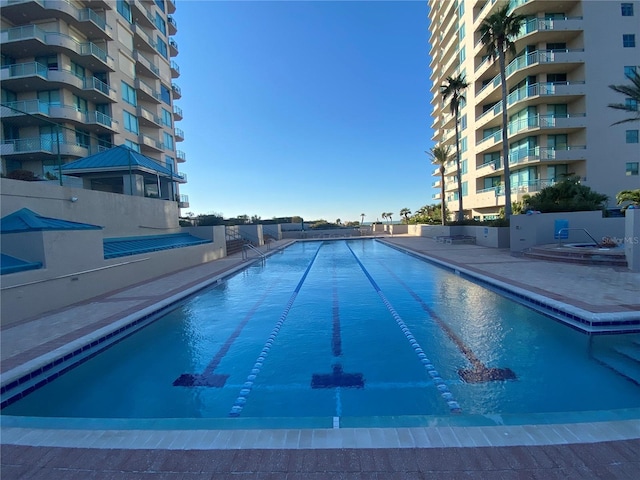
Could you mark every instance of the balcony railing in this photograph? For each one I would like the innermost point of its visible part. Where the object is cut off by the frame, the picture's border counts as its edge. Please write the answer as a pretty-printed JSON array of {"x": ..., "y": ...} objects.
[
  {"x": 539, "y": 56},
  {"x": 177, "y": 93},
  {"x": 177, "y": 112},
  {"x": 34, "y": 107},
  {"x": 181, "y": 156},
  {"x": 28, "y": 32}
]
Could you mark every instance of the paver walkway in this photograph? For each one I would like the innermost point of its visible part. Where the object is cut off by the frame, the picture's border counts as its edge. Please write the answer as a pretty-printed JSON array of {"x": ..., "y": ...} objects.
[{"x": 567, "y": 453}]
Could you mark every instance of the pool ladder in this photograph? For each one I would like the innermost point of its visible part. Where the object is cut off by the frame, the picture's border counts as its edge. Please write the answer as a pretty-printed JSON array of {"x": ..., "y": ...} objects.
[{"x": 245, "y": 252}]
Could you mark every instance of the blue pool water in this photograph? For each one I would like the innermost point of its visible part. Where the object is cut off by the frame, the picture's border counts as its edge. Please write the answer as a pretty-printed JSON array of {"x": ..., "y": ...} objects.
[{"x": 353, "y": 330}]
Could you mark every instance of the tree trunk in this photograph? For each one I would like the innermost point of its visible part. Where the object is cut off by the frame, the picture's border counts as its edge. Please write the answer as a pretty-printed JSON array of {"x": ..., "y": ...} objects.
[
  {"x": 505, "y": 134},
  {"x": 442, "y": 206},
  {"x": 460, "y": 210}
]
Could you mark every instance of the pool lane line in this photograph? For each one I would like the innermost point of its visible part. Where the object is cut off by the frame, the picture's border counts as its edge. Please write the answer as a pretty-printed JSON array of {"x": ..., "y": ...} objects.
[
  {"x": 208, "y": 378},
  {"x": 241, "y": 400},
  {"x": 448, "y": 397},
  {"x": 337, "y": 378},
  {"x": 480, "y": 372}
]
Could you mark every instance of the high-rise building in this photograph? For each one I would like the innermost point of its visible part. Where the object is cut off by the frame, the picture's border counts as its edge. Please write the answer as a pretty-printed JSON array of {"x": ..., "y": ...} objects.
[
  {"x": 81, "y": 76},
  {"x": 567, "y": 54}
]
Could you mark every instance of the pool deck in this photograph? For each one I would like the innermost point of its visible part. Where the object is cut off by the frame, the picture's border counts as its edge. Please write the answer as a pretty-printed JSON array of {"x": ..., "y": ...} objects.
[{"x": 607, "y": 449}]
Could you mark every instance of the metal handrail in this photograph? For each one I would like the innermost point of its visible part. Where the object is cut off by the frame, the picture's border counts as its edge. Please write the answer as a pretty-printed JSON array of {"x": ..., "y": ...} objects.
[
  {"x": 248, "y": 246},
  {"x": 567, "y": 230}
]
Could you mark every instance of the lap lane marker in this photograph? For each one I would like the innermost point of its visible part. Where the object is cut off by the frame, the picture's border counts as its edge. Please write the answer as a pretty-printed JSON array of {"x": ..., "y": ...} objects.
[
  {"x": 453, "y": 405},
  {"x": 241, "y": 400}
]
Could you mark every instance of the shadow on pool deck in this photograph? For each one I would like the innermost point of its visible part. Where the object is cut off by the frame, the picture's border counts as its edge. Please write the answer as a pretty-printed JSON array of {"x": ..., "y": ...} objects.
[{"x": 568, "y": 453}]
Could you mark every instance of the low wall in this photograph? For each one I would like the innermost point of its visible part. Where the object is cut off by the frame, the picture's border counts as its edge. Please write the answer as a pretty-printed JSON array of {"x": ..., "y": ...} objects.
[
  {"x": 327, "y": 233},
  {"x": 75, "y": 269},
  {"x": 632, "y": 239},
  {"x": 530, "y": 230},
  {"x": 119, "y": 215},
  {"x": 274, "y": 231}
]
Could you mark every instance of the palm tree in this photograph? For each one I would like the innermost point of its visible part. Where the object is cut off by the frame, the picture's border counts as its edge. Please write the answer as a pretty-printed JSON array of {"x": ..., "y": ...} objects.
[
  {"x": 631, "y": 92},
  {"x": 405, "y": 212},
  {"x": 384, "y": 216},
  {"x": 453, "y": 89},
  {"x": 440, "y": 155},
  {"x": 496, "y": 33}
]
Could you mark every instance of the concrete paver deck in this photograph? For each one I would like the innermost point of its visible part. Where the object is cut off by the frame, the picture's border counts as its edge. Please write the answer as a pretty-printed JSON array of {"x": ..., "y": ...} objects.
[{"x": 599, "y": 450}]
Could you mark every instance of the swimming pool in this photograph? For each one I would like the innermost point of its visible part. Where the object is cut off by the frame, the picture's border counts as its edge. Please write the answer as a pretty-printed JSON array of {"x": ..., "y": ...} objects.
[{"x": 344, "y": 333}]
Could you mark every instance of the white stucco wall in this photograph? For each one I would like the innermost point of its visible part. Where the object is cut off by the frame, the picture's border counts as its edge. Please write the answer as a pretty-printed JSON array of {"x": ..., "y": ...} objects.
[{"x": 120, "y": 215}]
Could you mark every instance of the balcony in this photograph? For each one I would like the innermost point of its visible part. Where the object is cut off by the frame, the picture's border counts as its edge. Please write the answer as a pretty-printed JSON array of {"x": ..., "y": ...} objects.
[
  {"x": 179, "y": 135},
  {"x": 175, "y": 69},
  {"x": 28, "y": 108},
  {"x": 171, "y": 6},
  {"x": 546, "y": 122},
  {"x": 549, "y": 29},
  {"x": 183, "y": 201},
  {"x": 181, "y": 157},
  {"x": 144, "y": 66},
  {"x": 148, "y": 143},
  {"x": 142, "y": 40},
  {"x": 146, "y": 92},
  {"x": 172, "y": 24},
  {"x": 36, "y": 76},
  {"x": 182, "y": 177},
  {"x": 45, "y": 148},
  {"x": 140, "y": 14},
  {"x": 173, "y": 48},
  {"x": 15, "y": 41},
  {"x": 85, "y": 20},
  {"x": 177, "y": 113},
  {"x": 147, "y": 118},
  {"x": 177, "y": 93}
]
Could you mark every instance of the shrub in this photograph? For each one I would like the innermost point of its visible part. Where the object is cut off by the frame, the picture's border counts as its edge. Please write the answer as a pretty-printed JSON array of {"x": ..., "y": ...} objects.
[
  {"x": 24, "y": 175},
  {"x": 567, "y": 195}
]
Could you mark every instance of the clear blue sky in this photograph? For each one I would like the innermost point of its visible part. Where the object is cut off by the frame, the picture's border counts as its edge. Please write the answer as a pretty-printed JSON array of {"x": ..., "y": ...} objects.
[{"x": 310, "y": 108}]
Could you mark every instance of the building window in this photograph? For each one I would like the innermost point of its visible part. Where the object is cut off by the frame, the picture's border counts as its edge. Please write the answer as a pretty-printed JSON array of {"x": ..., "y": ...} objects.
[
  {"x": 632, "y": 168},
  {"x": 132, "y": 145},
  {"x": 631, "y": 104},
  {"x": 165, "y": 94},
  {"x": 465, "y": 189},
  {"x": 160, "y": 4},
  {"x": 632, "y": 136},
  {"x": 461, "y": 8},
  {"x": 168, "y": 141},
  {"x": 80, "y": 104},
  {"x": 627, "y": 9},
  {"x": 463, "y": 122},
  {"x": 162, "y": 48},
  {"x": 166, "y": 117},
  {"x": 129, "y": 94},
  {"x": 461, "y": 32},
  {"x": 628, "y": 40},
  {"x": 463, "y": 144},
  {"x": 82, "y": 138},
  {"x": 463, "y": 167},
  {"x": 77, "y": 70},
  {"x": 160, "y": 24},
  {"x": 130, "y": 122},
  {"x": 124, "y": 9},
  {"x": 630, "y": 71},
  {"x": 463, "y": 54}
]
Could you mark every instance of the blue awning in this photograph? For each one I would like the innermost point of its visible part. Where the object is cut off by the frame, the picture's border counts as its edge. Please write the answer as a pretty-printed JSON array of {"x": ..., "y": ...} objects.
[
  {"x": 120, "y": 158},
  {"x": 25, "y": 220}
]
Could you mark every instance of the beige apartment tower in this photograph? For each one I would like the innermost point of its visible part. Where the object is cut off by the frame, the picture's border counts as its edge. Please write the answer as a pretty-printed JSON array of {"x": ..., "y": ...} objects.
[
  {"x": 81, "y": 76},
  {"x": 567, "y": 54}
]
